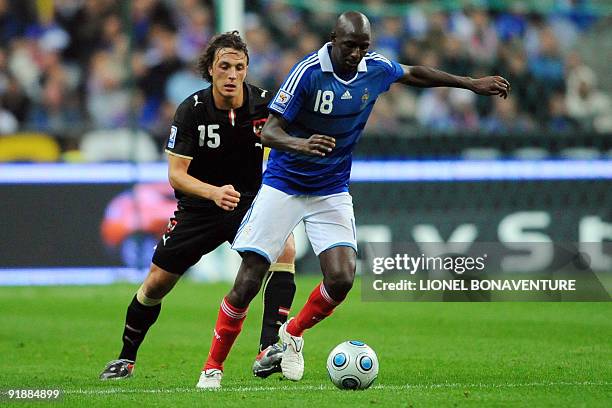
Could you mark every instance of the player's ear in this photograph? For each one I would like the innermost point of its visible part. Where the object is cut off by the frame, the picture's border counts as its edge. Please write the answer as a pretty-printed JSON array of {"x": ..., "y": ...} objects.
[{"x": 210, "y": 71}]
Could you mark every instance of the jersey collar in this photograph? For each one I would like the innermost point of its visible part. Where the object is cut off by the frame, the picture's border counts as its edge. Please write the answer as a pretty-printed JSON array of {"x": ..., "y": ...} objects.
[
  {"x": 247, "y": 99},
  {"x": 326, "y": 64}
]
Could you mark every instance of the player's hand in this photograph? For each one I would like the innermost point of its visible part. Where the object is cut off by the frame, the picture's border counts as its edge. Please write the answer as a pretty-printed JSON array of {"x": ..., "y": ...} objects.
[
  {"x": 491, "y": 85},
  {"x": 318, "y": 145},
  {"x": 226, "y": 197}
]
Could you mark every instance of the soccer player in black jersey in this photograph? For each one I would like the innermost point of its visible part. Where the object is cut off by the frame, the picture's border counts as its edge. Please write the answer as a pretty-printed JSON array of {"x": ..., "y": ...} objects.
[{"x": 214, "y": 165}]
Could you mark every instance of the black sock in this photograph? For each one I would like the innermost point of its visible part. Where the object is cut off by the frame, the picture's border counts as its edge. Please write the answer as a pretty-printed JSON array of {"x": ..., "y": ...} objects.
[
  {"x": 137, "y": 322},
  {"x": 278, "y": 297}
]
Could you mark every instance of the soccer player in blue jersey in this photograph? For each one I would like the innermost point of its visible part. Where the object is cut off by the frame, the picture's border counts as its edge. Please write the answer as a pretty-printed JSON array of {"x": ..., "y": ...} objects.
[{"x": 316, "y": 119}]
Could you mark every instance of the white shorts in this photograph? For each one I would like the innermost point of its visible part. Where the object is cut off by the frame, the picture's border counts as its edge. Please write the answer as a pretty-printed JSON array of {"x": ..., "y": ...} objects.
[{"x": 329, "y": 222}]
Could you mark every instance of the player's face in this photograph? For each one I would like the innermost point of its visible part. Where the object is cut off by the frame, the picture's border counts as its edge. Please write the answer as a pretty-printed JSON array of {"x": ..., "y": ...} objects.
[
  {"x": 349, "y": 49},
  {"x": 228, "y": 72}
]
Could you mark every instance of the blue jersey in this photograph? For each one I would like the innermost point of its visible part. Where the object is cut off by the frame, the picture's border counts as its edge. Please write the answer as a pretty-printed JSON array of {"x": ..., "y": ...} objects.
[{"x": 314, "y": 100}]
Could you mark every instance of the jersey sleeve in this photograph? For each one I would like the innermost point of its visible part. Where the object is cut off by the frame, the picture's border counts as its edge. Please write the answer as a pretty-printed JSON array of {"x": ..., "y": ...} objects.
[
  {"x": 293, "y": 91},
  {"x": 182, "y": 141},
  {"x": 393, "y": 71}
]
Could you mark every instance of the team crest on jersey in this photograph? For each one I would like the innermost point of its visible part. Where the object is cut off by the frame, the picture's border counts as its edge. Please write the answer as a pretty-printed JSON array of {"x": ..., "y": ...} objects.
[
  {"x": 364, "y": 98},
  {"x": 281, "y": 101},
  {"x": 258, "y": 126},
  {"x": 172, "y": 138}
]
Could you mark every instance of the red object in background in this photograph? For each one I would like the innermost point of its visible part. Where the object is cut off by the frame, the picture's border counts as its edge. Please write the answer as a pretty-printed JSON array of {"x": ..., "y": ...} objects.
[{"x": 143, "y": 210}]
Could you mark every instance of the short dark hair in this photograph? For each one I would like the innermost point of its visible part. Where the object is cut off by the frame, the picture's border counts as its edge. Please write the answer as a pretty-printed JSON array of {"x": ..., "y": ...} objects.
[{"x": 231, "y": 39}]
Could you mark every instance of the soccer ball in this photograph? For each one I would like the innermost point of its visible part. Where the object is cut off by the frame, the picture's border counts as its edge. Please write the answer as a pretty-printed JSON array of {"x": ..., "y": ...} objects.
[{"x": 352, "y": 365}]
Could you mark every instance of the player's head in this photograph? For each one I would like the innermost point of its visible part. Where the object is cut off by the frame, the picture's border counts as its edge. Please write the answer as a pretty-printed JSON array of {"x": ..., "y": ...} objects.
[
  {"x": 224, "y": 63},
  {"x": 350, "y": 40}
]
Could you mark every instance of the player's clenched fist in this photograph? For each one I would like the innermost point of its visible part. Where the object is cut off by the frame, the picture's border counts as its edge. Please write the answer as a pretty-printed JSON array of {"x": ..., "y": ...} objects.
[
  {"x": 318, "y": 145},
  {"x": 491, "y": 85},
  {"x": 227, "y": 197}
]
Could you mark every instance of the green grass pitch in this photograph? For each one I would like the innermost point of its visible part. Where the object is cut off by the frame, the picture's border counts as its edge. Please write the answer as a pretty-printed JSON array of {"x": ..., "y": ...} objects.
[{"x": 431, "y": 354}]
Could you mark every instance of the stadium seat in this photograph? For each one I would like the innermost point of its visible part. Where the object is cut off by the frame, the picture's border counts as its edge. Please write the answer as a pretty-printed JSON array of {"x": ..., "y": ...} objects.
[
  {"x": 29, "y": 147},
  {"x": 118, "y": 145},
  {"x": 580, "y": 153},
  {"x": 480, "y": 153},
  {"x": 530, "y": 153}
]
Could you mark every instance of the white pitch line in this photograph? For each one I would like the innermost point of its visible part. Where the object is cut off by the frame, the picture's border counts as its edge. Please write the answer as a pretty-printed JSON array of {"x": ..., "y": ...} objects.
[{"x": 81, "y": 391}]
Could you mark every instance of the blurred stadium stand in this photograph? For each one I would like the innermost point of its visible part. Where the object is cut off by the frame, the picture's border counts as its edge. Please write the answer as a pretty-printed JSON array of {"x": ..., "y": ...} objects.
[
  {"x": 70, "y": 67},
  {"x": 86, "y": 82}
]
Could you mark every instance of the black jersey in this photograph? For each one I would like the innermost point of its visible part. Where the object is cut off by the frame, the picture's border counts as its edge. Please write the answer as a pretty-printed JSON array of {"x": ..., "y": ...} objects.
[{"x": 224, "y": 146}]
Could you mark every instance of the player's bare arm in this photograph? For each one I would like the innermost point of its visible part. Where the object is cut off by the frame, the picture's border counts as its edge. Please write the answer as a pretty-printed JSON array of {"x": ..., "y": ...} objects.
[
  {"x": 225, "y": 197},
  {"x": 426, "y": 77},
  {"x": 273, "y": 135}
]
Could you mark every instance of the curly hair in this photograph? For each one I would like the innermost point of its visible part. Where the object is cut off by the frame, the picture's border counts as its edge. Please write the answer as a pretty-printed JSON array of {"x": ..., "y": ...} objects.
[{"x": 230, "y": 39}]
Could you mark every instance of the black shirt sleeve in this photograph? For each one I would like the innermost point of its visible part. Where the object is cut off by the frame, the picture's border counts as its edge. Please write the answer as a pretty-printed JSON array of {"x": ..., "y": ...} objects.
[{"x": 183, "y": 137}]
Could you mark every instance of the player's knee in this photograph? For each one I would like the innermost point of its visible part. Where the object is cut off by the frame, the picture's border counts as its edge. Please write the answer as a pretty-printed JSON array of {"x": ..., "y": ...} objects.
[
  {"x": 158, "y": 283},
  {"x": 339, "y": 286},
  {"x": 249, "y": 279},
  {"x": 254, "y": 263},
  {"x": 340, "y": 281},
  {"x": 288, "y": 255},
  {"x": 244, "y": 290}
]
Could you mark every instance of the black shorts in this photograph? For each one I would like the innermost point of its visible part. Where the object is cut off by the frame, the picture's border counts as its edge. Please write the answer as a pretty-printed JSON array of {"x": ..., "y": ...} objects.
[{"x": 194, "y": 233}]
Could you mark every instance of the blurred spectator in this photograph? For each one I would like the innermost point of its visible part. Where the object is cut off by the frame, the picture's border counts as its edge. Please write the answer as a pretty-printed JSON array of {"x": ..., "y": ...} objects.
[
  {"x": 11, "y": 24},
  {"x": 193, "y": 34},
  {"x": 8, "y": 121},
  {"x": 463, "y": 110},
  {"x": 84, "y": 25},
  {"x": 108, "y": 101},
  {"x": 13, "y": 100},
  {"x": 511, "y": 24},
  {"x": 416, "y": 20},
  {"x": 547, "y": 64},
  {"x": 455, "y": 59},
  {"x": 531, "y": 40},
  {"x": 558, "y": 120},
  {"x": 23, "y": 65},
  {"x": 283, "y": 68},
  {"x": 526, "y": 90},
  {"x": 308, "y": 43},
  {"x": 506, "y": 118},
  {"x": 411, "y": 52},
  {"x": 397, "y": 109},
  {"x": 285, "y": 23},
  {"x": 388, "y": 40},
  {"x": 433, "y": 111},
  {"x": 70, "y": 66},
  {"x": 162, "y": 61},
  {"x": 56, "y": 113},
  {"x": 482, "y": 41},
  {"x": 146, "y": 14},
  {"x": 436, "y": 32},
  {"x": 591, "y": 108},
  {"x": 263, "y": 57},
  {"x": 183, "y": 83}
]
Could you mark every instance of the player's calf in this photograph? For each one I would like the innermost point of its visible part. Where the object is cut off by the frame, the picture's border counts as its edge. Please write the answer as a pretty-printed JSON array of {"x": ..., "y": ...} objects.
[{"x": 249, "y": 279}]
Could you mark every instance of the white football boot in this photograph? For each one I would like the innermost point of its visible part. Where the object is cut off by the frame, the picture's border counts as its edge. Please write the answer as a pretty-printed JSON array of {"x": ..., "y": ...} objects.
[
  {"x": 292, "y": 363},
  {"x": 210, "y": 379}
]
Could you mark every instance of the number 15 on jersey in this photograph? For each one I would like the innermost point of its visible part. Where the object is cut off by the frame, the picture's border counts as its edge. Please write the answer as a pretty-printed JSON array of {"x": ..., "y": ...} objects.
[{"x": 209, "y": 136}]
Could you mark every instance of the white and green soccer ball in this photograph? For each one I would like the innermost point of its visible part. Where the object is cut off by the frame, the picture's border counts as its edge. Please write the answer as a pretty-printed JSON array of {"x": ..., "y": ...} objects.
[{"x": 352, "y": 365}]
